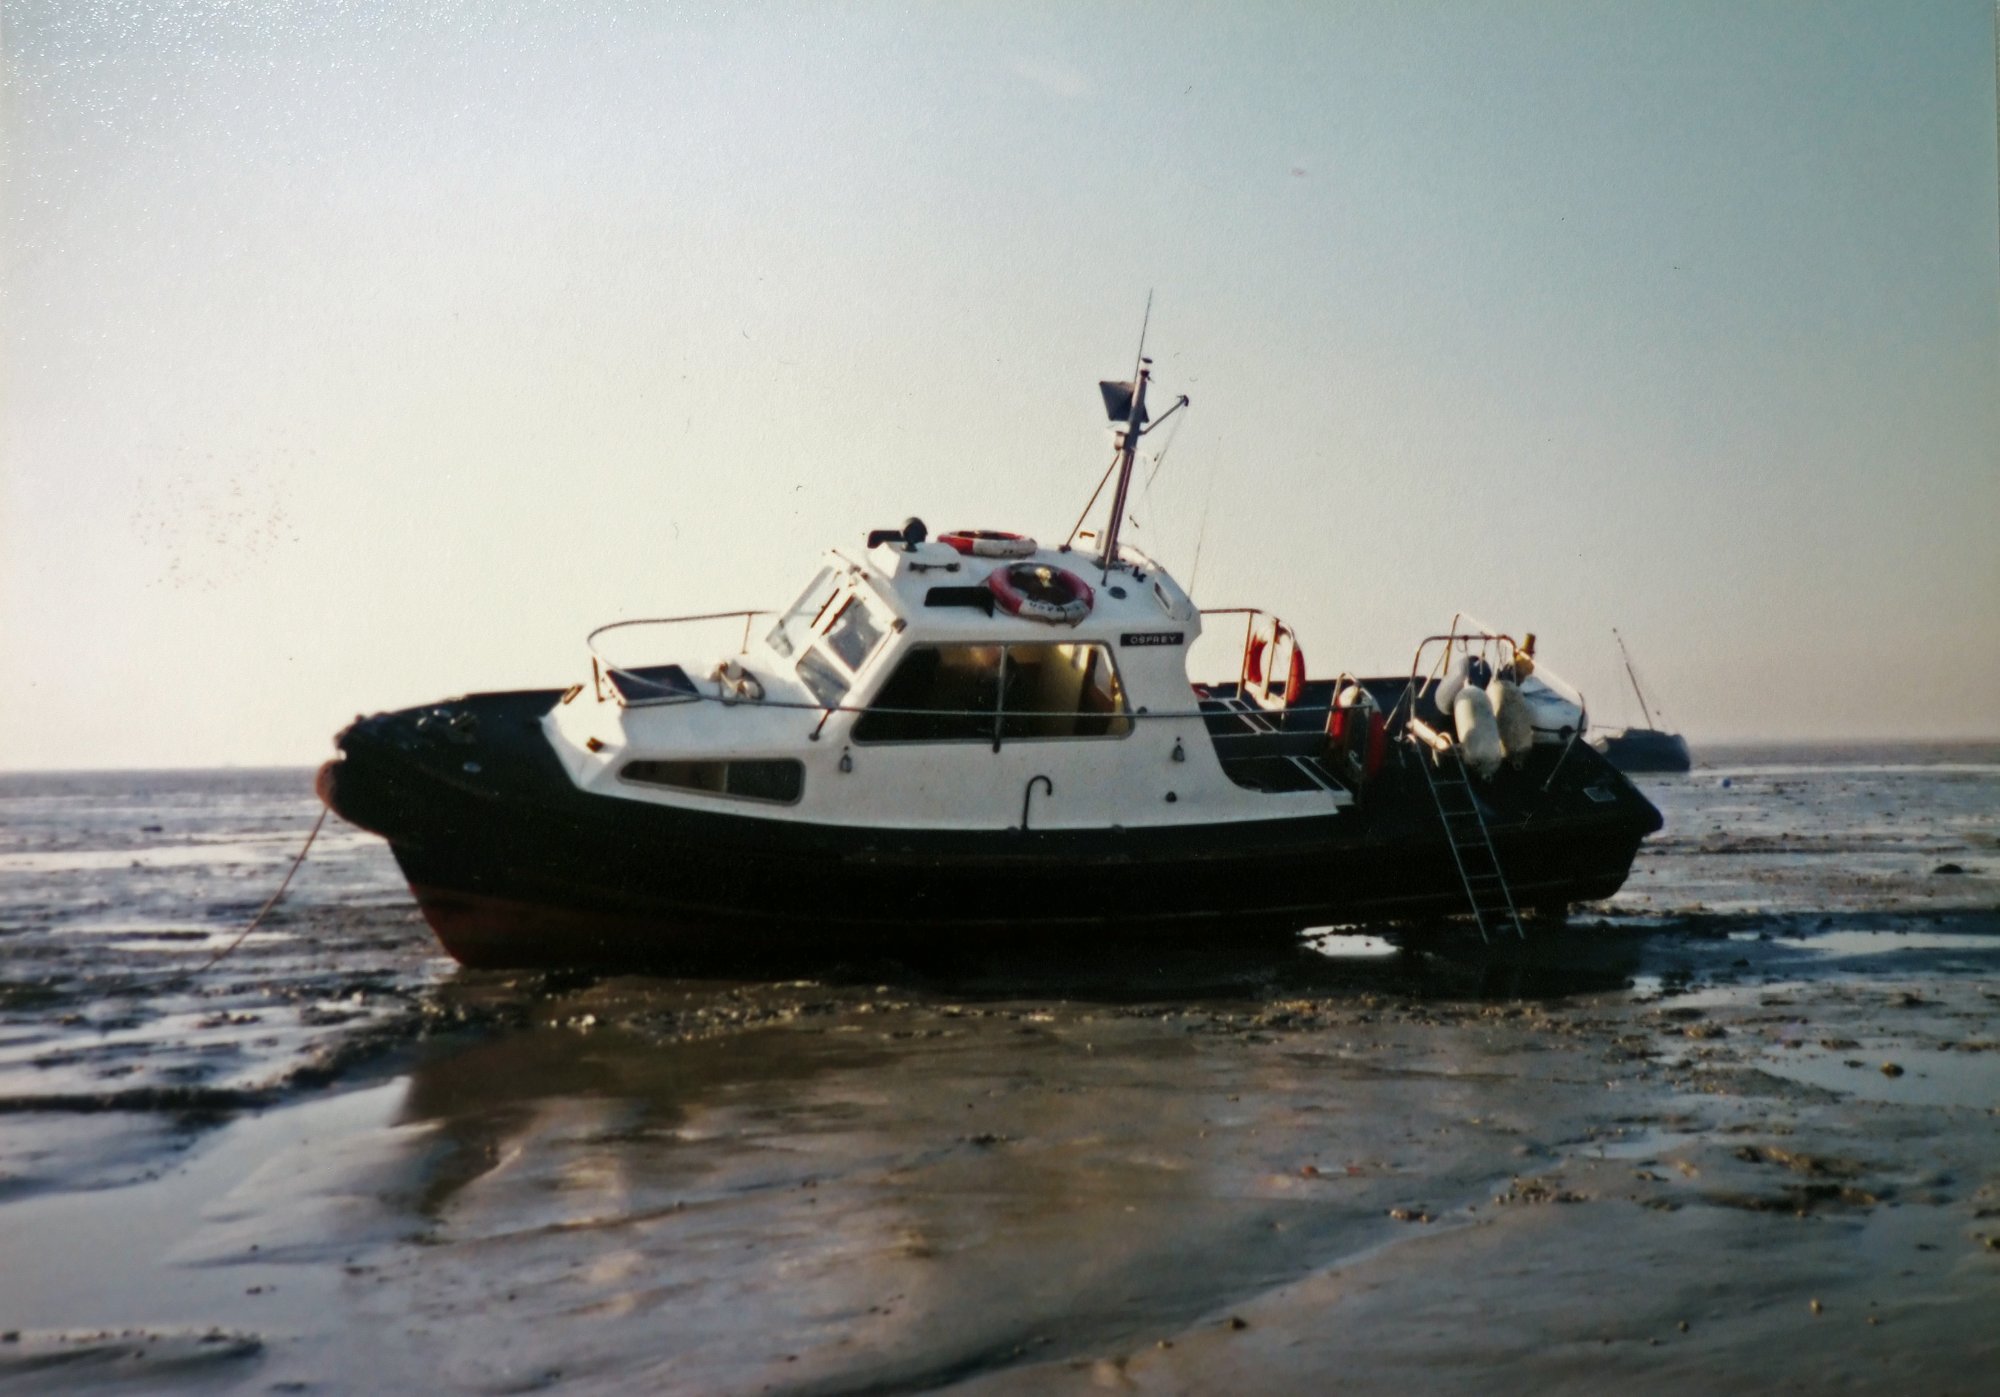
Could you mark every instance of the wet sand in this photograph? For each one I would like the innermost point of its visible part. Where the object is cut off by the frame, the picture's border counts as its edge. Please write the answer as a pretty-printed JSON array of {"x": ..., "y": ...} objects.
[{"x": 1739, "y": 1130}]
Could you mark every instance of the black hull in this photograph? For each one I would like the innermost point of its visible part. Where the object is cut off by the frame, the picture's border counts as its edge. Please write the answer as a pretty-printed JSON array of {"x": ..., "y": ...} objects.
[
  {"x": 1646, "y": 750},
  {"x": 514, "y": 866}
]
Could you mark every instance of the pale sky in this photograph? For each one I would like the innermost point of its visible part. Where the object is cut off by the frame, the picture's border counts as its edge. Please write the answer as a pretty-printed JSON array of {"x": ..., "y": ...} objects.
[{"x": 359, "y": 355}]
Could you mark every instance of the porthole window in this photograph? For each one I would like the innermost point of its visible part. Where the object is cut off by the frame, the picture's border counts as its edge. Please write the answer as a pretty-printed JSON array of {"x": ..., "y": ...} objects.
[{"x": 781, "y": 780}]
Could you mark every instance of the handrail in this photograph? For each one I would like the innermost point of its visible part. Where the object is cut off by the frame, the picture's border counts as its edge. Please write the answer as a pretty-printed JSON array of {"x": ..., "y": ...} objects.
[
  {"x": 1547, "y": 677},
  {"x": 828, "y": 710},
  {"x": 1250, "y": 615},
  {"x": 748, "y": 616},
  {"x": 1028, "y": 794},
  {"x": 1134, "y": 715},
  {"x": 1450, "y": 638},
  {"x": 603, "y": 665}
]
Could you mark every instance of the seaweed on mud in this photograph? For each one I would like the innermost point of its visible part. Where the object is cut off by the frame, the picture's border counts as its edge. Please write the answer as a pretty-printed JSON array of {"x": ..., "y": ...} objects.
[
  {"x": 1799, "y": 1162},
  {"x": 1538, "y": 1190},
  {"x": 198, "y": 1102},
  {"x": 35, "y": 994},
  {"x": 1797, "y": 1199}
]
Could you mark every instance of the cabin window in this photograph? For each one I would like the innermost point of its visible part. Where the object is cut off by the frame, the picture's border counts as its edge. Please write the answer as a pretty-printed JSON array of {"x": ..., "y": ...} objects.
[
  {"x": 796, "y": 622},
  {"x": 781, "y": 780},
  {"x": 1062, "y": 691},
  {"x": 939, "y": 693},
  {"x": 980, "y": 693}
]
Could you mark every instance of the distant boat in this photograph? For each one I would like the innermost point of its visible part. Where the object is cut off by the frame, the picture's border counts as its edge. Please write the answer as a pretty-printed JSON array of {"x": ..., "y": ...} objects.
[{"x": 1642, "y": 749}]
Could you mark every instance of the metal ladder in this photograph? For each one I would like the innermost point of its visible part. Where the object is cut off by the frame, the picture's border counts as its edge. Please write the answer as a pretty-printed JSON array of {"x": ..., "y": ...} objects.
[{"x": 1471, "y": 846}]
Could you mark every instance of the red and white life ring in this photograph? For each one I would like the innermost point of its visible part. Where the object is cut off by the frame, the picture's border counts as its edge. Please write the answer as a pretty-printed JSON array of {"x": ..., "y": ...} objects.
[
  {"x": 1295, "y": 672},
  {"x": 988, "y": 543},
  {"x": 1041, "y": 593}
]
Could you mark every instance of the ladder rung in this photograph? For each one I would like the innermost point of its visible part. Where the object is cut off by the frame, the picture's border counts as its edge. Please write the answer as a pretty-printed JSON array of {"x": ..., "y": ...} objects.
[{"x": 1486, "y": 893}]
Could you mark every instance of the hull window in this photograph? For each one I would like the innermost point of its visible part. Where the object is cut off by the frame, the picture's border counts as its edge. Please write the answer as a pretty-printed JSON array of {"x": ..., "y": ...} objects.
[
  {"x": 986, "y": 693},
  {"x": 779, "y": 781}
]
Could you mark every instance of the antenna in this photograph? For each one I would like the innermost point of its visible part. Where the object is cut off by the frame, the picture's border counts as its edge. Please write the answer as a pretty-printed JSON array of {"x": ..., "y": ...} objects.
[
  {"x": 1147, "y": 319},
  {"x": 1127, "y": 401}
]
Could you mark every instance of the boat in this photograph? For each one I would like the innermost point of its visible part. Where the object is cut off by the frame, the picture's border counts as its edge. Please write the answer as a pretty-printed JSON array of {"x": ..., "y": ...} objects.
[
  {"x": 1647, "y": 749},
  {"x": 978, "y": 740}
]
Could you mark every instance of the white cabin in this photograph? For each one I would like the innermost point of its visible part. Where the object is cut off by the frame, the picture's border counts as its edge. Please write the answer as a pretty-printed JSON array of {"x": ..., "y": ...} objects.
[{"x": 893, "y": 694}]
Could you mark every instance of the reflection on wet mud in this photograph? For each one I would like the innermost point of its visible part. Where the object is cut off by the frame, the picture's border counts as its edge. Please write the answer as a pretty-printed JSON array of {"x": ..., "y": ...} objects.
[
  {"x": 1447, "y": 960},
  {"x": 917, "y": 1187},
  {"x": 616, "y": 1029}
]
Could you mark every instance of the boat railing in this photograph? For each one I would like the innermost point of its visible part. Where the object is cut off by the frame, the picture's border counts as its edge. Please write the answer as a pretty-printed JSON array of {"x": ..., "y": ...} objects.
[
  {"x": 642, "y": 683},
  {"x": 1474, "y": 639},
  {"x": 637, "y": 683},
  {"x": 1265, "y": 632}
]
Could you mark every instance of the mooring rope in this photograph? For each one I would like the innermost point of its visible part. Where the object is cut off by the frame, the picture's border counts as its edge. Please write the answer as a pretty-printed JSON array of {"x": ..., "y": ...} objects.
[{"x": 262, "y": 912}]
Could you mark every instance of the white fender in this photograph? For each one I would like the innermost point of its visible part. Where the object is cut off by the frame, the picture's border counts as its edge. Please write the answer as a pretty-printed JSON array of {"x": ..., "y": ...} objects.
[
  {"x": 1511, "y": 716},
  {"x": 1454, "y": 680},
  {"x": 1354, "y": 696},
  {"x": 1478, "y": 734}
]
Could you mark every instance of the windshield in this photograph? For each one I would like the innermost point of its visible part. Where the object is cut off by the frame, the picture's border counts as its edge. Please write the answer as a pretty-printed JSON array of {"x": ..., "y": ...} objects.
[
  {"x": 854, "y": 634},
  {"x": 825, "y": 678},
  {"x": 798, "y": 618}
]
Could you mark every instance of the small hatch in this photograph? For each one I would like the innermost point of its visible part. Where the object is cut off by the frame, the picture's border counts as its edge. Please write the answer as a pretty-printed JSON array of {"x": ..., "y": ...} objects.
[
  {"x": 653, "y": 684},
  {"x": 977, "y": 598}
]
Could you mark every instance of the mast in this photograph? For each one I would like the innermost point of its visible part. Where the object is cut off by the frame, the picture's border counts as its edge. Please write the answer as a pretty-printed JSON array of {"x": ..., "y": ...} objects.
[
  {"x": 1126, "y": 402},
  {"x": 1627, "y": 656},
  {"x": 1128, "y": 451}
]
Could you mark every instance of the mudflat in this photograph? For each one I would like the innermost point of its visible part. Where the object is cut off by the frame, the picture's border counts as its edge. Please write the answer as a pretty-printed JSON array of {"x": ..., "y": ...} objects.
[{"x": 1737, "y": 1130}]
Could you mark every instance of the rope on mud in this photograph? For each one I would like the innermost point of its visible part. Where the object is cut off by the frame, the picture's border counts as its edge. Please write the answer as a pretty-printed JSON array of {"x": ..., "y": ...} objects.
[{"x": 265, "y": 910}]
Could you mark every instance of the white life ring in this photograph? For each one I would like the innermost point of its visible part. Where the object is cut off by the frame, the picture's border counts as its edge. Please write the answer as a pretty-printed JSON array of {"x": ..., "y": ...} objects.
[
  {"x": 988, "y": 543},
  {"x": 1039, "y": 593}
]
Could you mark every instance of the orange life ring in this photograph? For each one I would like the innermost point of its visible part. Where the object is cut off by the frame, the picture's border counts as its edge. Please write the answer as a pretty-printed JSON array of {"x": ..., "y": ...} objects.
[
  {"x": 1378, "y": 745},
  {"x": 1039, "y": 593},
  {"x": 1295, "y": 678},
  {"x": 1295, "y": 674},
  {"x": 989, "y": 543},
  {"x": 1356, "y": 729}
]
